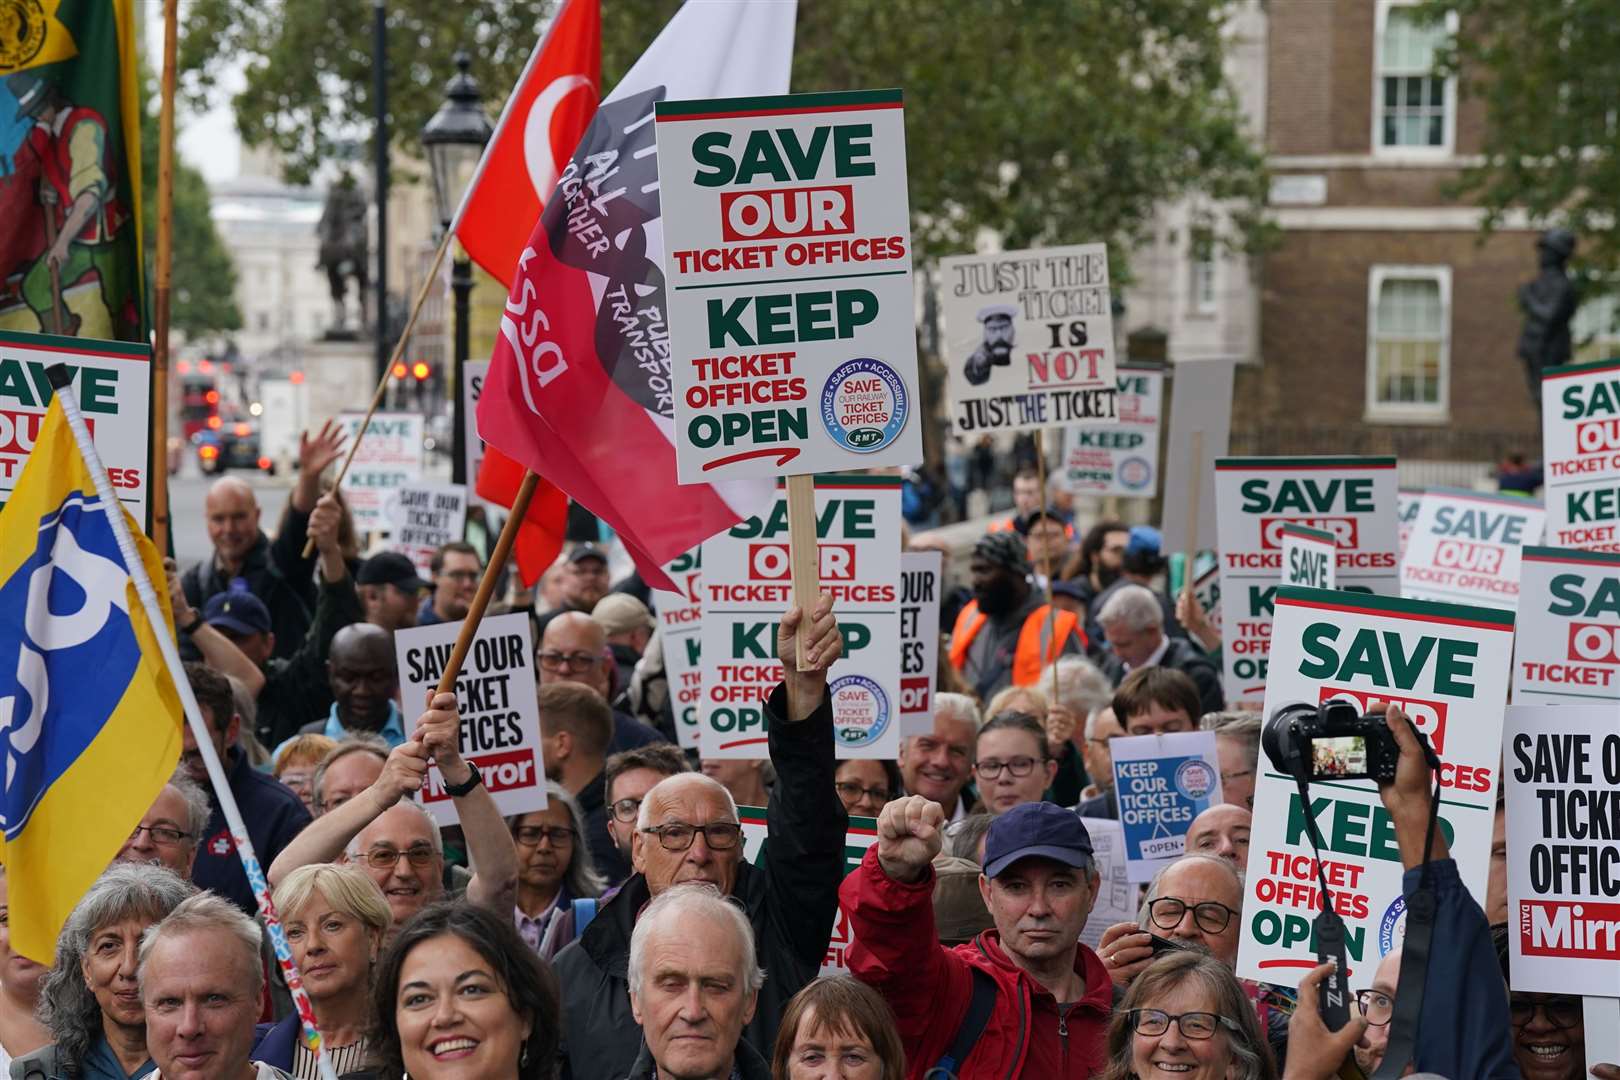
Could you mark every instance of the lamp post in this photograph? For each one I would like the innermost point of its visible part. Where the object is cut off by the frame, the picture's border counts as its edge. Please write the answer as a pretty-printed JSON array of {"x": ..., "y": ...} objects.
[{"x": 455, "y": 138}]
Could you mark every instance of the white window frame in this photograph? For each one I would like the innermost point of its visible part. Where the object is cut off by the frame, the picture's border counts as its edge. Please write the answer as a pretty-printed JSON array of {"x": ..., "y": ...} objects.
[
  {"x": 1448, "y": 143},
  {"x": 1197, "y": 269},
  {"x": 1606, "y": 337},
  {"x": 1397, "y": 411}
]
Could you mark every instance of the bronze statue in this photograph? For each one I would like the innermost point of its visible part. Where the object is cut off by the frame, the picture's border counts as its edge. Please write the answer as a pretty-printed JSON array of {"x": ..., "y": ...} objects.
[
  {"x": 1549, "y": 302},
  {"x": 344, "y": 241}
]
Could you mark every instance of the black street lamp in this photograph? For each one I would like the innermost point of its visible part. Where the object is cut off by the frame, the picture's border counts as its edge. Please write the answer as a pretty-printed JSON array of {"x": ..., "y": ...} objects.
[{"x": 455, "y": 138}]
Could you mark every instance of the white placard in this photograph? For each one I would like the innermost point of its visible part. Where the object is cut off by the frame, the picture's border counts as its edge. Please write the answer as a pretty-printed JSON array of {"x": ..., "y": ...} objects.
[
  {"x": 680, "y": 628},
  {"x": 1119, "y": 458},
  {"x": 1201, "y": 412},
  {"x": 1029, "y": 338},
  {"x": 1465, "y": 547},
  {"x": 389, "y": 457},
  {"x": 424, "y": 517},
  {"x": 1115, "y": 901},
  {"x": 787, "y": 253},
  {"x": 473, "y": 373},
  {"x": 1407, "y": 501},
  {"x": 1568, "y": 648},
  {"x": 920, "y": 583},
  {"x": 861, "y": 834},
  {"x": 1602, "y": 1017},
  {"x": 1162, "y": 782},
  {"x": 1309, "y": 557},
  {"x": 500, "y": 712},
  {"x": 1580, "y": 436}
]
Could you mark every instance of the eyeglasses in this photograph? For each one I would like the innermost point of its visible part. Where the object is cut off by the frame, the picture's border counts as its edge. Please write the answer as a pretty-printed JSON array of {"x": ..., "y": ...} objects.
[
  {"x": 162, "y": 835},
  {"x": 1211, "y": 916},
  {"x": 386, "y": 858},
  {"x": 850, "y": 792},
  {"x": 1561, "y": 1012},
  {"x": 1193, "y": 1025},
  {"x": 990, "y": 768},
  {"x": 460, "y": 575},
  {"x": 1377, "y": 1006},
  {"x": 678, "y": 836},
  {"x": 552, "y": 660},
  {"x": 531, "y": 835},
  {"x": 626, "y": 809},
  {"x": 1228, "y": 777}
]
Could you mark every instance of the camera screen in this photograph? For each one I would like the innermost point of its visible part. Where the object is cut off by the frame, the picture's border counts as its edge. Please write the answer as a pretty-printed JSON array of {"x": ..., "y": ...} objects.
[{"x": 1340, "y": 755}]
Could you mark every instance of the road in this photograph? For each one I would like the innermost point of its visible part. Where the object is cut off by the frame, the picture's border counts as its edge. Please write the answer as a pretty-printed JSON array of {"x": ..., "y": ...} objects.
[{"x": 188, "y": 522}]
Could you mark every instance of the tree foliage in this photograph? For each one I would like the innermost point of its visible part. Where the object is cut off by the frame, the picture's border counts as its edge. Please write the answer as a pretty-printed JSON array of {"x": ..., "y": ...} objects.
[
  {"x": 1548, "y": 73},
  {"x": 1045, "y": 121}
]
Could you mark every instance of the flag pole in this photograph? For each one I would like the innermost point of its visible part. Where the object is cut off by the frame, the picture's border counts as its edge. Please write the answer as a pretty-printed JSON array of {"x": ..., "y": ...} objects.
[
  {"x": 162, "y": 272},
  {"x": 388, "y": 369},
  {"x": 61, "y": 379}
]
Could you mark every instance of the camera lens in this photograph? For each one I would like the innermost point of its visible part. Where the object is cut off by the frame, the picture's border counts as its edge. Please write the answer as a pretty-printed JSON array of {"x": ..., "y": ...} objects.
[{"x": 1286, "y": 745}]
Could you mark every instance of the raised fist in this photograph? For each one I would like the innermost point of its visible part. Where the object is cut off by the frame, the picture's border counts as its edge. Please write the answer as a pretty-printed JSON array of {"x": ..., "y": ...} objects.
[{"x": 910, "y": 833}]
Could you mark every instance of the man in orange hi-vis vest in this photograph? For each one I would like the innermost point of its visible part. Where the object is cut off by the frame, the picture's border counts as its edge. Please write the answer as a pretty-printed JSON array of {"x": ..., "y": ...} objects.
[{"x": 1006, "y": 633}]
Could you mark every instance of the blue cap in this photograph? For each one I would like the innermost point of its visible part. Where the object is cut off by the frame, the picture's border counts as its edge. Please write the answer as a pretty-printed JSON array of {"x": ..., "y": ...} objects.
[
  {"x": 237, "y": 611},
  {"x": 1144, "y": 538},
  {"x": 1039, "y": 829}
]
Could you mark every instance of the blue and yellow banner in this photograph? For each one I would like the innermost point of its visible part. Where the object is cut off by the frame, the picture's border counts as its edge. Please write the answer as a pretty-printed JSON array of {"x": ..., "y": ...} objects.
[{"x": 89, "y": 717}]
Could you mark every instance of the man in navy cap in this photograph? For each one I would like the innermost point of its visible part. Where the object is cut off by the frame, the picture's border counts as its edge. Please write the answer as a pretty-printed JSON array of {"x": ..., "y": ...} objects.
[
  {"x": 585, "y": 580},
  {"x": 1050, "y": 995},
  {"x": 389, "y": 590}
]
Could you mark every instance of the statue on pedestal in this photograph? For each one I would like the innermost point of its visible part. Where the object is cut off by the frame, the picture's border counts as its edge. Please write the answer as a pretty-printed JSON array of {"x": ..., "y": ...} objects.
[
  {"x": 1549, "y": 301},
  {"x": 344, "y": 253}
]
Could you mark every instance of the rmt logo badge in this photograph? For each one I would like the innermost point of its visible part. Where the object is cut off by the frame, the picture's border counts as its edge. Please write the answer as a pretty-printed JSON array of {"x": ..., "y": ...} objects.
[{"x": 65, "y": 616}]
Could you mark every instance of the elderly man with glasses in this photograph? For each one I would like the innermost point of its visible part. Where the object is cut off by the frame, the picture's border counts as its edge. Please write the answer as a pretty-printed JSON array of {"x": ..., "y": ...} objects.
[
  {"x": 687, "y": 830},
  {"x": 574, "y": 649}
]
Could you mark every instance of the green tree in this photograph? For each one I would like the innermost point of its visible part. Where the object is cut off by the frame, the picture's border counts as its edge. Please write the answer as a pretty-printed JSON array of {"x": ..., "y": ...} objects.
[
  {"x": 1548, "y": 73},
  {"x": 202, "y": 287},
  {"x": 1045, "y": 121}
]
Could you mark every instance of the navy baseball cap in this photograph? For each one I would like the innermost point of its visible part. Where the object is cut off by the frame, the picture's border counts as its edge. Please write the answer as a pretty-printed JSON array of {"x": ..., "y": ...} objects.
[
  {"x": 587, "y": 551},
  {"x": 389, "y": 568},
  {"x": 1040, "y": 829},
  {"x": 237, "y": 611}
]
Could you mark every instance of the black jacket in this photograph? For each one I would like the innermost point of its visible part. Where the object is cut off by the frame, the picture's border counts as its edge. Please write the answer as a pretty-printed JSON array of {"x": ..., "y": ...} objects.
[
  {"x": 276, "y": 574},
  {"x": 791, "y": 901},
  {"x": 749, "y": 1064},
  {"x": 297, "y": 690},
  {"x": 1182, "y": 656}
]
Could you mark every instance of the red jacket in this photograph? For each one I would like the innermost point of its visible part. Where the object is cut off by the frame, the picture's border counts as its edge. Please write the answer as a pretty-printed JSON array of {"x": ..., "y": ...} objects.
[{"x": 895, "y": 951}]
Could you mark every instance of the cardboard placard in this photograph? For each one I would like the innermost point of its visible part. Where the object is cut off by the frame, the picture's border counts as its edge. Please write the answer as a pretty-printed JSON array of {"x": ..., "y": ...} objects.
[
  {"x": 1446, "y": 666},
  {"x": 112, "y": 380},
  {"x": 424, "y": 517},
  {"x": 1207, "y": 588},
  {"x": 921, "y": 578},
  {"x": 1351, "y": 498},
  {"x": 1309, "y": 557},
  {"x": 787, "y": 252},
  {"x": 1201, "y": 416},
  {"x": 680, "y": 626},
  {"x": 1568, "y": 649},
  {"x": 389, "y": 457},
  {"x": 1121, "y": 457},
  {"x": 473, "y": 373},
  {"x": 1162, "y": 783},
  {"x": 1407, "y": 500},
  {"x": 746, "y": 589},
  {"x": 1563, "y": 875},
  {"x": 1029, "y": 338},
  {"x": 1580, "y": 437},
  {"x": 860, "y": 835},
  {"x": 500, "y": 710},
  {"x": 1465, "y": 547},
  {"x": 1115, "y": 901}
]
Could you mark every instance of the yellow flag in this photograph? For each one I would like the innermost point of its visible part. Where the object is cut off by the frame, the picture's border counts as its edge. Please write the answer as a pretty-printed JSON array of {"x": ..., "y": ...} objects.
[{"x": 32, "y": 35}]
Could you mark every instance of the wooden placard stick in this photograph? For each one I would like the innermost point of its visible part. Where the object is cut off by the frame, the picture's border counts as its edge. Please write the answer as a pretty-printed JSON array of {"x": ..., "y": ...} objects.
[
  {"x": 805, "y": 560},
  {"x": 1194, "y": 481},
  {"x": 1046, "y": 561},
  {"x": 162, "y": 272}
]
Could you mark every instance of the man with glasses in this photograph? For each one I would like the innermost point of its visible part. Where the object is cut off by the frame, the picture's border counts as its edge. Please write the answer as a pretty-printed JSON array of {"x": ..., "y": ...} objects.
[
  {"x": 1013, "y": 764},
  {"x": 627, "y": 778},
  {"x": 687, "y": 830},
  {"x": 1377, "y": 1007},
  {"x": 169, "y": 830},
  {"x": 573, "y": 648},
  {"x": 398, "y": 842},
  {"x": 1196, "y": 901},
  {"x": 575, "y": 727},
  {"x": 583, "y": 582},
  {"x": 455, "y": 569}
]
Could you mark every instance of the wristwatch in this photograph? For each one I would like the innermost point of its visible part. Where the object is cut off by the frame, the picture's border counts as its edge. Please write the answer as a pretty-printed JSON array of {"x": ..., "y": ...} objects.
[
  {"x": 196, "y": 621},
  {"x": 456, "y": 791}
]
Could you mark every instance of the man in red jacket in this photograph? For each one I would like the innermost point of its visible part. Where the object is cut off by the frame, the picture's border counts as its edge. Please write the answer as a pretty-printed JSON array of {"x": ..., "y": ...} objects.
[{"x": 1048, "y": 995}]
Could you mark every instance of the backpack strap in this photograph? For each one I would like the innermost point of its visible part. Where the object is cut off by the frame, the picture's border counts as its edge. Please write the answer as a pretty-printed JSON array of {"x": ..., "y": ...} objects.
[
  {"x": 980, "y": 1006},
  {"x": 584, "y": 912}
]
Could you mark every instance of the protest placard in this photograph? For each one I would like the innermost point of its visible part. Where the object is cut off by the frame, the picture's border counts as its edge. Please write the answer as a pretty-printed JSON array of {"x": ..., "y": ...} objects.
[
  {"x": 1465, "y": 547},
  {"x": 1200, "y": 430},
  {"x": 1029, "y": 338},
  {"x": 1350, "y": 498},
  {"x": 1162, "y": 783},
  {"x": 500, "y": 713},
  {"x": 422, "y": 518},
  {"x": 860, "y": 835},
  {"x": 920, "y": 584},
  {"x": 389, "y": 457},
  {"x": 1120, "y": 457},
  {"x": 1407, "y": 500},
  {"x": 1602, "y": 1017},
  {"x": 1309, "y": 556},
  {"x": 787, "y": 252},
  {"x": 1446, "y": 666},
  {"x": 1563, "y": 869},
  {"x": 473, "y": 373},
  {"x": 680, "y": 627},
  {"x": 1580, "y": 437},
  {"x": 1207, "y": 590},
  {"x": 112, "y": 380},
  {"x": 1115, "y": 901},
  {"x": 1568, "y": 648},
  {"x": 746, "y": 590}
]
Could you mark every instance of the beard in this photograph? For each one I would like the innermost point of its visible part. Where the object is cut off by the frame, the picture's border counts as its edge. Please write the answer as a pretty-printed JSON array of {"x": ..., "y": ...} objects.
[
  {"x": 1106, "y": 576},
  {"x": 1000, "y": 597}
]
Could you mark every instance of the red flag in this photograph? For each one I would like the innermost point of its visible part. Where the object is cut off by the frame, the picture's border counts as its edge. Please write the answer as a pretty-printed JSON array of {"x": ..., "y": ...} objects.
[
  {"x": 542, "y": 531},
  {"x": 579, "y": 386},
  {"x": 549, "y": 110}
]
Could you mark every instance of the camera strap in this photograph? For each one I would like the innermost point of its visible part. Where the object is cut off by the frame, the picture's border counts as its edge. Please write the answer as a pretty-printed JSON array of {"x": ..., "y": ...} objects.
[
  {"x": 1328, "y": 927},
  {"x": 1420, "y": 914}
]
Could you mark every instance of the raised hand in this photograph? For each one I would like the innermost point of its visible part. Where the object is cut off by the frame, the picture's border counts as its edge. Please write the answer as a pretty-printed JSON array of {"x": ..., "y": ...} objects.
[{"x": 911, "y": 832}]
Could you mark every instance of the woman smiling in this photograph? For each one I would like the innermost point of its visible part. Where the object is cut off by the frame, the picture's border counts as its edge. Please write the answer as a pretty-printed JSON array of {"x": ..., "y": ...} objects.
[{"x": 1186, "y": 1014}]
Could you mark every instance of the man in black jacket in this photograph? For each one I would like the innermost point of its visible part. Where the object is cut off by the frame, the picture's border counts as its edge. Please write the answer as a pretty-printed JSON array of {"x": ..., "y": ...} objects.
[
  {"x": 1134, "y": 625},
  {"x": 688, "y": 831}
]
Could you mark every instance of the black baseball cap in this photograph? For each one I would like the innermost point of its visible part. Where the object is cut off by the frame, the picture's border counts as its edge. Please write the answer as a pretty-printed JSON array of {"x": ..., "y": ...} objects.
[
  {"x": 238, "y": 611},
  {"x": 1041, "y": 829},
  {"x": 587, "y": 551},
  {"x": 389, "y": 568}
]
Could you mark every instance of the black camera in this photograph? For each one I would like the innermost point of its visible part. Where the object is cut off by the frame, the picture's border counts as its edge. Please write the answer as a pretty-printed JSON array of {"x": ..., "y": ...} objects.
[{"x": 1335, "y": 741}]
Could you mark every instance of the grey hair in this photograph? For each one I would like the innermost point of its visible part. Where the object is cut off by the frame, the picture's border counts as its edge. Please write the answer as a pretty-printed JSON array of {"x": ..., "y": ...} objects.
[
  {"x": 582, "y": 881},
  {"x": 681, "y": 904},
  {"x": 66, "y": 1005},
  {"x": 352, "y": 744},
  {"x": 960, "y": 706},
  {"x": 1082, "y": 688},
  {"x": 435, "y": 834},
  {"x": 669, "y": 784},
  {"x": 1243, "y": 726},
  {"x": 1132, "y": 606},
  {"x": 1091, "y": 718},
  {"x": 206, "y": 911},
  {"x": 1158, "y": 879},
  {"x": 198, "y": 809}
]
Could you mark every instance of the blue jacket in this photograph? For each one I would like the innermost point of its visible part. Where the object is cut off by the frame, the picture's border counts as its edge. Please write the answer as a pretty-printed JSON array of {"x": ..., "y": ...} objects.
[
  {"x": 273, "y": 815},
  {"x": 273, "y": 1043}
]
